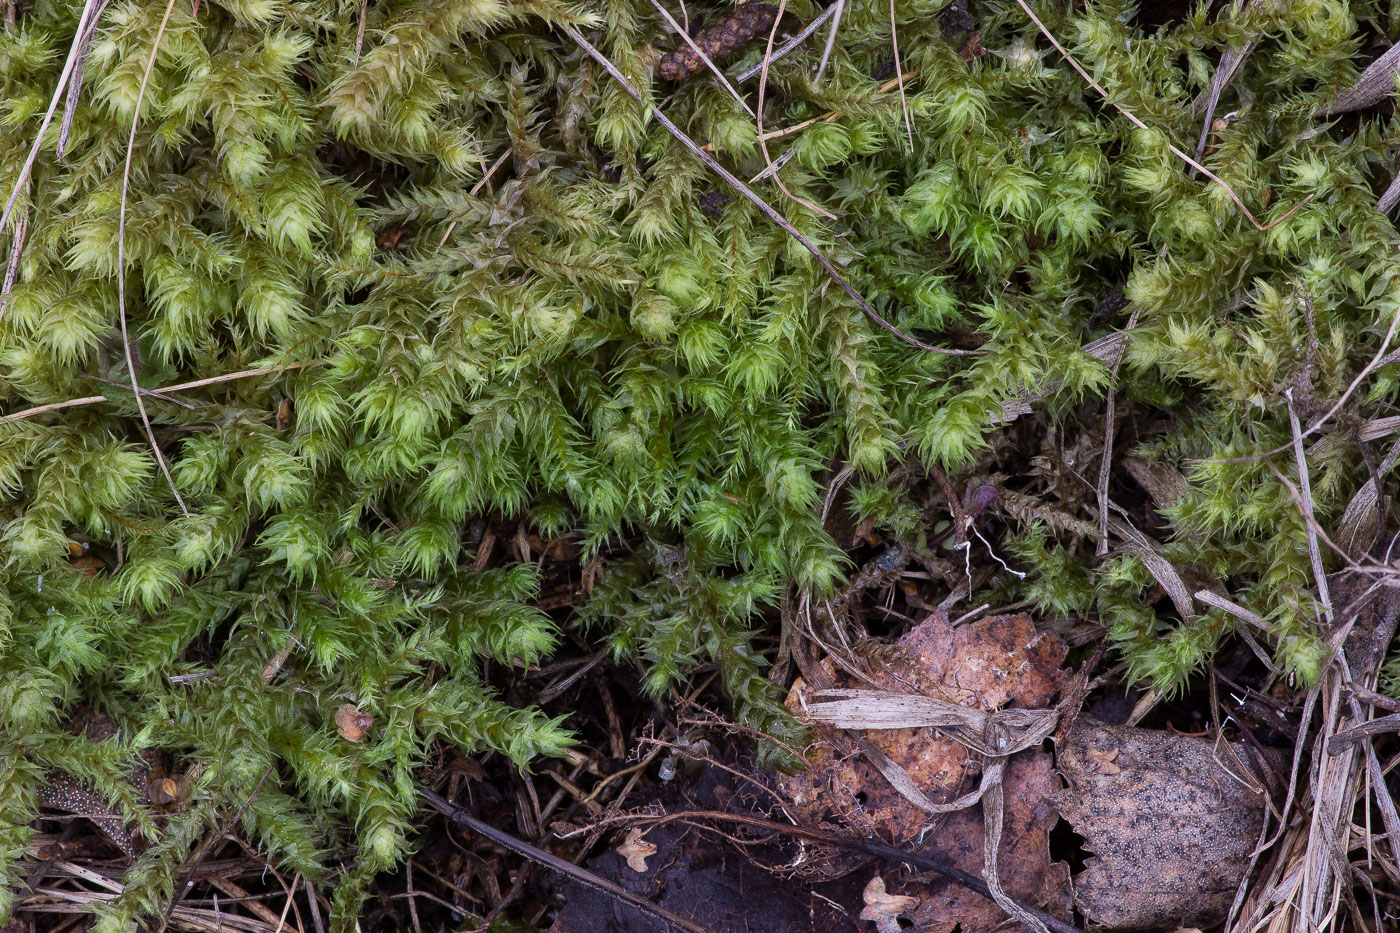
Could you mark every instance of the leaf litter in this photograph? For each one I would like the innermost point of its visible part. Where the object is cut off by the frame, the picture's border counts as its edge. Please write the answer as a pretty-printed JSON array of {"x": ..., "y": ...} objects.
[
  {"x": 1170, "y": 819},
  {"x": 986, "y": 665}
]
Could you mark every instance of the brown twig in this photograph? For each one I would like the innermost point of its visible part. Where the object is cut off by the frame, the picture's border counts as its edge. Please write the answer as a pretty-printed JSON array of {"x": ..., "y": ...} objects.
[
  {"x": 549, "y": 860},
  {"x": 758, "y": 202}
]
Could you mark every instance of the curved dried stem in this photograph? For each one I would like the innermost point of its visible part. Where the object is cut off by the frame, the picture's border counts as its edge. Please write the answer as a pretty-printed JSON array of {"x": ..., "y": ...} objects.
[{"x": 121, "y": 259}]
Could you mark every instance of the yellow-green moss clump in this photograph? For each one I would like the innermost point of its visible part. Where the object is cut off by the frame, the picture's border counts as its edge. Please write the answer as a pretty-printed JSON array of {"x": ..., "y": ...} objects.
[{"x": 593, "y": 338}]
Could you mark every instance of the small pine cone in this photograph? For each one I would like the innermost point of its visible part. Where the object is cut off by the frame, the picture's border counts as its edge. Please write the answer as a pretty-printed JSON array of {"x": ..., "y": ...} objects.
[{"x": 722, "y": 38}]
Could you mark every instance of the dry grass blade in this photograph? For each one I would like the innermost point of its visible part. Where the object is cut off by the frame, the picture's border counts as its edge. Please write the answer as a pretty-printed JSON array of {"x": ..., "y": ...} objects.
[
  {"x": 1310, "y": 876},
  {"x": 777, "y": 163},
  {"x": 16, "y": 251},
  {"x": 1206, "y": 101},
  {"x": 790, "y": 44},
  {"x": 1132, "y": 118},
  {"x": 1305, "y": 492},
  {"x": 1360, "y": 733},
  {"x": 177, "y": 387},
  {"x": 758, "y": 202},
  {"x": 475, "y": 189},
  {"x": 993, "y": 809},
  {"x": 1389, "y": 197},
  {"x": 121, "y": 259},
  {"x": 1217, "y": 601},
  {"x": 762, "y": 142},
  {"x": 994, "y": 735},
  {"x": 1360, "y": 524},
  {"x": 831, "y": 116},
  {"x": 695, "y": 47},
  {"x": 1157, "y": 565},
  {"x": 1106, "y": 459},
  {"x": 89, "y": 12},
  {"x": 899, "y": 76},
  {"x": 75, "y": 83},
  {"x": 360, "y": 32},
  {"x": 1374, "y": 85},
  {"x": 1014, "y": 729},
  {"x": 838, "y": 8}
]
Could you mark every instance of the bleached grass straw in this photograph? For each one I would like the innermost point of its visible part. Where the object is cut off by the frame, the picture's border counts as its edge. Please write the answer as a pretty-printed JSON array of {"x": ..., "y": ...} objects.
[
  {"x": 121, "y": 259},
  {"x": 74, "y": 53},
  {"x": 27, "y": 413}
]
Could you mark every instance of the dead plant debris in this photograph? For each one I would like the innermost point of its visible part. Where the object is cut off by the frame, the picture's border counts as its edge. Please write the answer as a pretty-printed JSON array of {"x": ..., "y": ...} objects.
[
  {"x": 986, "y": 665},
  {"x": 726, "y": 35}
]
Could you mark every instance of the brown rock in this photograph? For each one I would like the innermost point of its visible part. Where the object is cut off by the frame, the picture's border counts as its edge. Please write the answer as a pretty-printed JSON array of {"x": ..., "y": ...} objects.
[{"x": 1170, "y": 818}]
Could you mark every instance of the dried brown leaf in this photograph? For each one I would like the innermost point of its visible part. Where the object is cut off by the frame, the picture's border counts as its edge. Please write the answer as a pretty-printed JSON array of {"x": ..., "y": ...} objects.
[
  {"x": 991, "y": 664},
  {"x": 636, "y": 851},
  {"x": 884, "y": 908},
  {"x": 352, "y": 723}
]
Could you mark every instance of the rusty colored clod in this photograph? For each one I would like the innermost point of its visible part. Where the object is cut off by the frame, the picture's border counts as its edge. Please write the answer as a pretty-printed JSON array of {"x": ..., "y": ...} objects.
[{"x": 719, "y": 40}]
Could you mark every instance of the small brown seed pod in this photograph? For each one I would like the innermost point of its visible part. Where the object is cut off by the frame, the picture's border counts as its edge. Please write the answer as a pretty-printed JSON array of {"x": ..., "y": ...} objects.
[{"x": 722, "y": 38}]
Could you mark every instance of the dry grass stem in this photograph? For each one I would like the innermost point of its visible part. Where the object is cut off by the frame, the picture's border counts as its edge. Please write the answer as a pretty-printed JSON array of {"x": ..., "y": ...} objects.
[
  {"x": 121, "y": 259},
  {"x": 1306, "y": 503},
  {"x": 899, "y": 76},
  {"x": 176, "y": 387},
  {"x": 16, "y": 251},
  {"x": 790, "y": 44},
  {"x": 74, "y": 53},
  {"x": 476, "y": 188},
  {"x": 1132, "y": 118},
  {"x": 763, "y": 143},
  {"x": 831, "y": 116},
  {"x": 838, "y": 8}
]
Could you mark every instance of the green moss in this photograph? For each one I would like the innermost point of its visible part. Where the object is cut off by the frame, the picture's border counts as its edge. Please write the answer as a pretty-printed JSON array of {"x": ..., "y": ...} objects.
[{"x": 585, "y": 341}]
